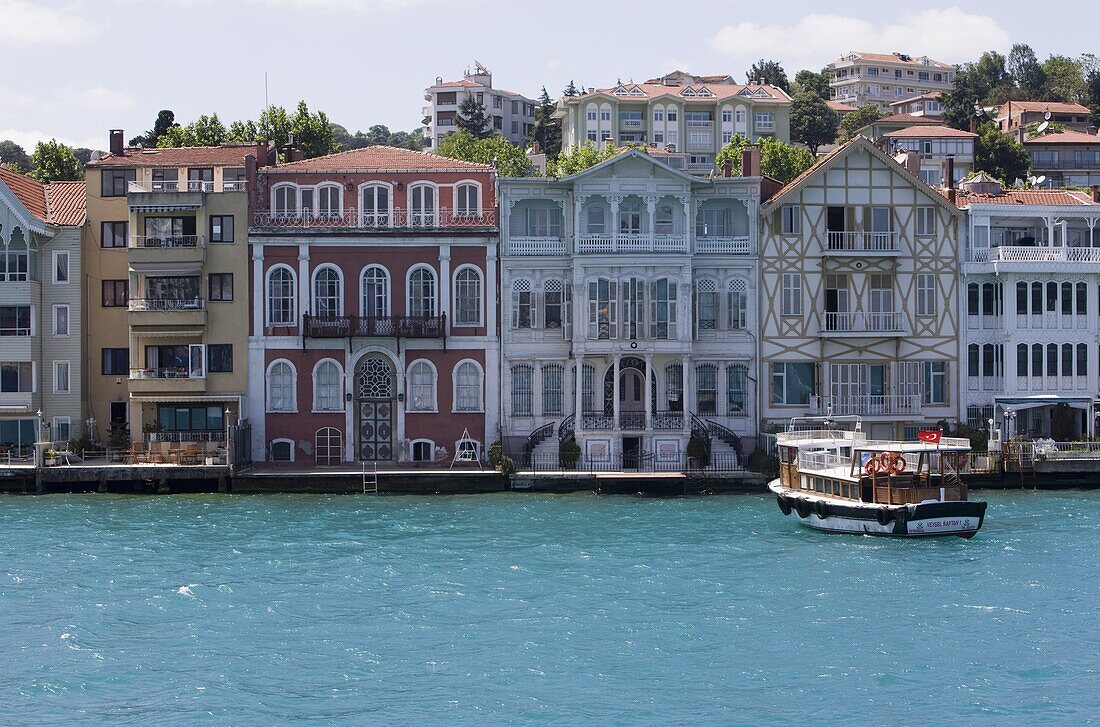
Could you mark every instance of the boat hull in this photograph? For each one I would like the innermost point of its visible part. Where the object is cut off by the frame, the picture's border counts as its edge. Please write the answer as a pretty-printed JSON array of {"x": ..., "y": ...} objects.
[{"x": 927, "y": 519}]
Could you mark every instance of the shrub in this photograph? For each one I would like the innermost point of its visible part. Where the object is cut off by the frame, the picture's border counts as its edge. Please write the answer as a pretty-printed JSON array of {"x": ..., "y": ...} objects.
[
  {"x": 766, "y": 464},
  {"x": 697, "y": 450},
  {"x": 569, "y": 453}
]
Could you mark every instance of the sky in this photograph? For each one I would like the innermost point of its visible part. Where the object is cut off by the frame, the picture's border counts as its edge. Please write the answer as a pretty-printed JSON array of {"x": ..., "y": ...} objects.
[{"x": 72, "y": 69}]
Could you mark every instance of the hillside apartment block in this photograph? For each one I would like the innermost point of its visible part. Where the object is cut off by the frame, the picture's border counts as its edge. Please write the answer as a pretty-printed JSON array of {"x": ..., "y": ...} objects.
[
  {"x": 510, "y": 114},
  {"x": 880, "y": 79}
]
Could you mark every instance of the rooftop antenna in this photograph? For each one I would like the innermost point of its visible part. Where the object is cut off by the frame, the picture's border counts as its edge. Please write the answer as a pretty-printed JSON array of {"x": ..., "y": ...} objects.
[
  {"x": 1046, "y": 114},
  {"x": 1040, "y": 179},
  {"x": 267, "y": 102},
  {"x": 1043, "y": 126}
]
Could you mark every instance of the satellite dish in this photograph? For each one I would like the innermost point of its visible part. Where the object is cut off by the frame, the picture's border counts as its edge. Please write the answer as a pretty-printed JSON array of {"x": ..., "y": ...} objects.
[
  {"x": 1019, "y": 183},
  {"x": 1043, "y": 126},
  {"x": 1031, "y": 181},
  {"x": 1046, "y": 114},
  {"x": 96, "y": 156},
  {"x": 1040, "y": 179}
]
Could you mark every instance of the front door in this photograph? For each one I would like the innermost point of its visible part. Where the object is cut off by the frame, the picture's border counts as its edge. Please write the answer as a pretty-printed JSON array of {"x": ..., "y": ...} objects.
[
  {"x": 375, "y": 409},
  {"x": 631, "y": 401},
  {"x": 632, "y": 453}
]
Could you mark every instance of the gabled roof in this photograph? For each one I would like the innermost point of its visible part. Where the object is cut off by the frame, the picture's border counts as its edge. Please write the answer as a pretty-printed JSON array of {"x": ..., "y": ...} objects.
[
  {"x": 1064, "y": 137},
  {"x": 29, "y": 191},
  {"x": 1033, "y": 197},
  {"x": 68, "y": 202},
  {"x": 908, "y": 119},
  {"x": 380, "y": 159},
  {"x": 213, "y": 156},
  {"x": 627, "y": 154},
  {"x": 840, "y": 107},
  {"x": 927, "y": 96},
  {"x": 1055, "y": 107},
  {"x": 891, "y": 58},
  {"x": 56, "y": 203},
  {"x": 859, "y": 142},
  {"x": 925, "y": 131}
]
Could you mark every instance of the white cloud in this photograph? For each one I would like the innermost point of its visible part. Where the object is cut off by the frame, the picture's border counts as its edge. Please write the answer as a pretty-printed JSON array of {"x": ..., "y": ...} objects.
[
  {"x": 342, "y": 5},
  {"x": 27, "y": 23},
  {"x": 27, "y": 138},
  {"x": 951, "y": 35}
]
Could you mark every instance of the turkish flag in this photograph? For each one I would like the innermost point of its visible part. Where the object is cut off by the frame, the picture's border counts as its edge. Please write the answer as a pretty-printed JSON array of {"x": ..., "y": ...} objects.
[{"x": 932, "y": 436}]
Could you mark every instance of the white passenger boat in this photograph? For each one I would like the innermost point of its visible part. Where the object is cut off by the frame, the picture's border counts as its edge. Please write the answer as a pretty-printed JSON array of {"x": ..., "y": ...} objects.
[{"x": 832, "y": 477}]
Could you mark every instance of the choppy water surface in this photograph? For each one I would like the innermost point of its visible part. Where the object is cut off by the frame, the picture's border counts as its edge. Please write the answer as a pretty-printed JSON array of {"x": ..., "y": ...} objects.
[{"x": 559, "y": 610}]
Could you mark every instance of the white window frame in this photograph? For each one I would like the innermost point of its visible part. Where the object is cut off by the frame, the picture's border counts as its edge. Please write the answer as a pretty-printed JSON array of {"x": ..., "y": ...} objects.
[
  {"x": 329, "y": 212},
  {"x": 422, "y": 440},
  {"x": 546, "y": 392},
  {"x": 926, "y": 294},
  {"x": 411, "y": 406},
  {"x": 457, "y": 191},
  {"x": 378, "y": 218},
  {"x": 317, "y": 397},
  {"x": 423, "y": 217},
  {"x": 456, "y": 286},
  {"x": 68, "y": 321},
  {"x": 456, "y": 386},
  {"x": 386, "y": 287},
  {"x": 926, "y": 220},
  {"x": 68, "y": 384},
  {"x": 791, "y": 219},
  {"x": 292, "y": 407},
  {"x": 283, "y": 440},
  {"x": 57, "y": 422},
  {"x": 59, "y": 255},
  {"x": 293, "y": 320},
  {"x": 434, "y": 307},
  {"x": 313, "y": 296},
  {"x": 292, "y": 194},
  {"x": 791, "y": 294}
]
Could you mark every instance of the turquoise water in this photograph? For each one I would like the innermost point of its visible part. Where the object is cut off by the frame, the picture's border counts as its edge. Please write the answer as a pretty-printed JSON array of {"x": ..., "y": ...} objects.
[{"x": 555, "y": 610}]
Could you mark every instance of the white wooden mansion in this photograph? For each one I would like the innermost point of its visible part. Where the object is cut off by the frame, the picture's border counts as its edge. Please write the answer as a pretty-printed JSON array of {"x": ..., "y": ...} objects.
[
  {"x": 1031, "y": 298},
  {"x": 859, "y": 296},
  {"x": 628, "y": 296}
]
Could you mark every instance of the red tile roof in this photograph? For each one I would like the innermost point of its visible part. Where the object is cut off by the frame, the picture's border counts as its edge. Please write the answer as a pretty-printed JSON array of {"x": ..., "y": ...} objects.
[
  {"x": 68, "y": 202},
  {"x": 927, "y": 96},
  {"x": 379, "y": 159},
  {"x": 840, "y": 107},
  {"x": 1055, "y": 107},
  {"x": 925, "y": 131},
  {"x": 213, "y": 156},
  {"x": 1050, "y": 197},
  {"x": 29, "y": 191},
  {"x": 1064, "y": 137},
  {"x": 908, "y": 119}
]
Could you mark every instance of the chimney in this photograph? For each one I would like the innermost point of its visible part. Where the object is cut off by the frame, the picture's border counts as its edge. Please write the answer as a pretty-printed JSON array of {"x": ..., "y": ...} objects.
[
  {"x": 950, "y": 171},
  {"x": 1095, "y": 193},
  {"x": 973, "y": 124},
  {"x": 951, "y": 194},
  {"x": 750, "y": 161},
  {"x": 261, "y": 153},
  {"x": 912, "y": 163},
  {"x": 118, "y": 142},
  {"x": 727, "y": 168}
]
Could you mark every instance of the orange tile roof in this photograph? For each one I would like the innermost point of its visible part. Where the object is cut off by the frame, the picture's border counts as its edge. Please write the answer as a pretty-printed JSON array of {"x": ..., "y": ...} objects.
[
  {"x": 891, "y": 58},
  {"x": 927, "y": 96},
  {"x": 214, "y": 156},
  {"x": 29, "y": 191},
  {"x": 381, "y": 158},
  {"x": 908, "y": 119},
  {"x": 930, "y": 132},
  {"x": 1048, "y": 197},
  {"x": 1056, "y": 107},
  {"x": 1064, "y": 137},
  {"x": 463, "y": 83},
  {"x": 840, "y": 107},
  {"x": 68, "y": 202},
  {"x": 720, "y": 91}
]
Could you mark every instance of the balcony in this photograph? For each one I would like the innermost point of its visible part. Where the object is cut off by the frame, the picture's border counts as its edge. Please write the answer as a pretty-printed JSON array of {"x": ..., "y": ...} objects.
[
  {"x": 867, "y": 405},
  {"x": 1071, "y": 164},
  {"x": 723, "y": 245},
  {"x": 176, "y": 249},
  {"x": 11, "y": 400},
  {"x": 165, "y": 381},
  {"x": 631, "y": 242},
  {"x": 704, "y": 124},
  {"x": 534, "y": 246},
  {"x": 862, "y": 243},
  {"x": 396, "y": 219},
  {"x": 1030, "y": 258},
  {"x": 863, "y": 324},
  {"x": 631, "y": 124},
  {"x": 167, "y": 311},
  {"x": 764, "y": 126},
  {"x": 184, "y": 186},
  {"x": 692, "y": 168},
  {"x": 374, "y": 327}
]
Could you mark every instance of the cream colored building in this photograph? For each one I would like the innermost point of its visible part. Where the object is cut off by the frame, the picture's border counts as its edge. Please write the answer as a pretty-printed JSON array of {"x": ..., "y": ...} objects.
[
  {"x": 166, "y": 289},
  {"x": 879, "y": 79}
]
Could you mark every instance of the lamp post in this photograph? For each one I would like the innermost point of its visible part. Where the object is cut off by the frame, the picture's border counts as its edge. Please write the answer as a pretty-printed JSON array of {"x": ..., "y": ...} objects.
[
  {"x": 1010, "y": 420},
  {"x": 228, "y": 459},
  {"x": 38, "y": 441}
]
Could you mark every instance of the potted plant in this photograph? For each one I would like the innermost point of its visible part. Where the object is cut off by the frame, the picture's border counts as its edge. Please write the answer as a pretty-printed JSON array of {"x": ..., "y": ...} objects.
[
  {"x": 569, "y": 453},
  {"x": 697, "y": 453},
  {"x": 49, "y": 457},
  {"x": 152, "y": 430}
]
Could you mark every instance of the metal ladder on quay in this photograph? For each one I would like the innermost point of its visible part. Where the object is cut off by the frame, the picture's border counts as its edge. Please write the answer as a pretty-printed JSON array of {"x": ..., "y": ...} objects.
[{"x": 370, "y": 483}]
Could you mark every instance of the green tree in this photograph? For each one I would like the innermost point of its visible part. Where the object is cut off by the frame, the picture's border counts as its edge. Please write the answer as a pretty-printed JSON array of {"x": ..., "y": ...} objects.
[
  {"x": 1064, "y": 80},
  {"x": 242, "y": 132},
  {"x": 312, "y": 132},
  {"x": 52, "y": 161},
  {"x": 815, "y": 83},
  {"x": 812, "y": 121},
  {"x": 770, "y": 72},
  {"x": 1026, "y": 72},
  {"x": 778, "y": 160},
  {"x": 164, "y": 121},
  {"x": 273, "y": 124},
  {"x": 509, "y": 159},
  {"x": 856, "y": 120},
  {"x": 547, "y": 129},
  {"x": 471, "y": 117},
  {"x": 14, "y": 156},
  {"x": 1000, "y": 155},
  {"x": 986, "y": 82},
  {"x": 571, "y": 89},
  {"x": 579, "y": 159},
  {"x": 203, "y": 131}
]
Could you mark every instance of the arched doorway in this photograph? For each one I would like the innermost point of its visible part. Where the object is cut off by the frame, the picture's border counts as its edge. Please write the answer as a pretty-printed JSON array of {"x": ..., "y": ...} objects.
[
  {"x": 375, "y": 395},
  {"x": 328, "y": 446},
  {"x": 631, "y": 387}
]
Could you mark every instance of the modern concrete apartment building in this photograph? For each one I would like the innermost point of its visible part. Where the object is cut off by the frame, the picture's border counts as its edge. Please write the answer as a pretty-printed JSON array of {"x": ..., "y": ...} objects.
[
  {"x": 41, "y": 320},
  {"x": 936, "y": 148},
  {"x": 510, "y": 114},
  {"x": 925, "y": 104},
  {"x": 879, "y": 79},
  {"x": 628, "y": 313},
  {"x": 1016, "y": 116},
  {"x": 691, "y": 116},
  {"x": 858, "y": 295},
  {"x": 166, "y": 289},
  {"x": 1066, "y": 158},
  {"x": 1029, "y": 297}
]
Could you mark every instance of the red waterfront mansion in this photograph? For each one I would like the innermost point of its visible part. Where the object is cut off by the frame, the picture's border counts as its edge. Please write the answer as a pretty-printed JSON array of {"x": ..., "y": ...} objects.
[{"x": 374, "y": 312}]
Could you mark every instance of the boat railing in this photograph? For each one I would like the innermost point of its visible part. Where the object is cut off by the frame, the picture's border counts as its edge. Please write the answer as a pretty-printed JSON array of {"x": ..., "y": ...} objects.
[
  {"x": 803, "y": 435},
  {"x": 817, "y": 461}
]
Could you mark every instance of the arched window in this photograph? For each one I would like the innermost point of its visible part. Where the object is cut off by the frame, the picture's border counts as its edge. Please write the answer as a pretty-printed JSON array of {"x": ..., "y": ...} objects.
[
  {"x": 738, "y": 305},
  {"x": 421, "y": 386},
  {"x": 973, "y": 360},
  {"x": 280, "y": 387},
  {"x": 375, "y": 287},
  {"x": 522, "y": 398},
  {"x": 1082, "y": 359},
  {"x": 467, "y": 296},
  {"x": 1021, "y": 360},
  {"x": 284, "y": 200},
  {"x": 467, "y": 200},
  {"x": 1067, "y": 359},
  {"x": 328, "y": 293},
  {"x": 281, "y": 296},
  {"x": 327, "y": 386},
  {"x": 674, "y": 386},
  {"x": 1082, "y": 299},
  {"x": 422, "y": 293},
  {"x": 468, "y": 381},
  {"x": 375, "y": 205},
  {"x": 328, "y": 446},
  {"x": 423, "y": 204},
  {"x": 328, "y": 200},
  {"x": 706, "y": 303}
]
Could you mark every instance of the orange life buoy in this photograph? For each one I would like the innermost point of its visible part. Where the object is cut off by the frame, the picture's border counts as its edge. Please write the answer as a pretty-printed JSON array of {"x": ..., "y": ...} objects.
[
  {"x": 884, "y": 460},
  {"x": 963, "y": 460},
  {"x": 897, "y": 464},
  {"x": 871, "y": 467}
]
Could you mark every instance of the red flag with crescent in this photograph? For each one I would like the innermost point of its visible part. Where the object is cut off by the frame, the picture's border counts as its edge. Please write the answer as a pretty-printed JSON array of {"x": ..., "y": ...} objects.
[{"x": 932, "y": 436}]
